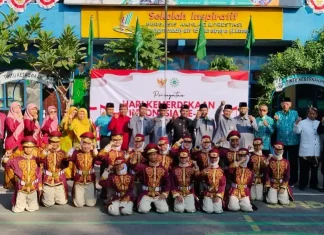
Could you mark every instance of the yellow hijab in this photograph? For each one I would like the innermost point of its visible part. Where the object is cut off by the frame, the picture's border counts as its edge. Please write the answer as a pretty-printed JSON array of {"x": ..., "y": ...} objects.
[
  {"x": 65, "y": 120},
  {"x": 81, "y": 126}
]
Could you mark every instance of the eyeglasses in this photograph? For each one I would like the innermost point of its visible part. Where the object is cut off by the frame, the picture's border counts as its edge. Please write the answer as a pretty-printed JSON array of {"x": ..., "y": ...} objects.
[
  {"x": 263, "y": 110},
  {"x": 53, "y": 112}
]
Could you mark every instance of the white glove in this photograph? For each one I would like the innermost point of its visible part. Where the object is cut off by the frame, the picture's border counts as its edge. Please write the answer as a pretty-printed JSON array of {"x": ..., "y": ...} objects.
[
  {"x": 95, "y": 152},
  {"x": 70, "y": 152},
  {"x": 107, "y": 148},
  {"x": 22, "y": 183},
  {"x": 105, "y": 174}
]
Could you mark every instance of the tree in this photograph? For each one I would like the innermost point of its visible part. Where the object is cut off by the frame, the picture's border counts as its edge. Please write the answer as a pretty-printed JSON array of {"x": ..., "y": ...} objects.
[
  {"x": 223, "y": 63},
  {"x": 121, "y": 52},
  {"x": 297, "y": 59}
]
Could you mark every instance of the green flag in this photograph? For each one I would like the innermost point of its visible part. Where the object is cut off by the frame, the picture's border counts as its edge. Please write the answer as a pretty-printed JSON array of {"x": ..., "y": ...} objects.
[
  {"x": 249, "y": 38},
  {"x": 90, "y": 38},
  {"x": 200, "y": 47},
  {"x": 138, "y": 41}
]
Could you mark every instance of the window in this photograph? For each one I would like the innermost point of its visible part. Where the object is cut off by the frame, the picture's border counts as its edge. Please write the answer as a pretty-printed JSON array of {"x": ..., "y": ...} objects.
[{"x": 15, "y": 92}]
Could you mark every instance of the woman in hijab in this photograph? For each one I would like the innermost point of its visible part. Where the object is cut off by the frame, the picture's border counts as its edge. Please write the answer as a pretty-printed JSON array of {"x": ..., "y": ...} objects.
[
  {"x": 32, "y": 127},
  {"x": 15, "y": 133},
  {"x": 49, "y": 124},
  {"x": 80, "y": 125},
  {"x": 67, "y": 135}
]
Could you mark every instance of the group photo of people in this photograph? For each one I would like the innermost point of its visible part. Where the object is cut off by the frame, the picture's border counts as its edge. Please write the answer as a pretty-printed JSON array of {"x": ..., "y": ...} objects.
[{"x": 211, "y": 164}]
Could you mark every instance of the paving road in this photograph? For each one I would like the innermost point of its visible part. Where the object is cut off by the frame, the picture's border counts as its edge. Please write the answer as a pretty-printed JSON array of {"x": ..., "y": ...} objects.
[{"x": 304, "y": 216}]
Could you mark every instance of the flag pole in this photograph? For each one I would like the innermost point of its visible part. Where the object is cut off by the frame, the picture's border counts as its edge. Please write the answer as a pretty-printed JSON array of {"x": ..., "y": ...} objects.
[
  {"x": 136, "y": 59},
  {"x": 198, "y": 64},
  {"x": 165, "y": 44},
  {"x": 91, "y": 46},
  {"x": 250, "y": 60}
]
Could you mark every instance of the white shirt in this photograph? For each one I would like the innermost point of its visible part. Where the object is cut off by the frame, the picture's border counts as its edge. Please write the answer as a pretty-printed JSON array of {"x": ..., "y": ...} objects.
[
  {"x": 309, "y": 139},
  {"x": 163, "y": 126},
  {"x": 142, "y": 128}
]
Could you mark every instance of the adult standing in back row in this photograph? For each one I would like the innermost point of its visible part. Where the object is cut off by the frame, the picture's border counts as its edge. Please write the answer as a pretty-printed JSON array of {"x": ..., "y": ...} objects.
[
  {"x": 182, "y": 125},
  {"x": 284, "y": 122},
  {"x": 225, "y": 124}
]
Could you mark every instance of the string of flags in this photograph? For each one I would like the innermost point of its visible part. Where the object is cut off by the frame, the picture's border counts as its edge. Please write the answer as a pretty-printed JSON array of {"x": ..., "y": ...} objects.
[{"x": 20, "y": 5}]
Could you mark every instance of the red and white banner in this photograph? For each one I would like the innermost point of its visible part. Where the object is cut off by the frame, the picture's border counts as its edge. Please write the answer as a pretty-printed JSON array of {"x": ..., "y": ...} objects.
[
  {"x": 172, "y": 87},
  {"x": 1, "y": 2},
  {"x": 18, "y": 5},
  {"x": 46, "y": 4},
  {"x": 316, "y": 5}
]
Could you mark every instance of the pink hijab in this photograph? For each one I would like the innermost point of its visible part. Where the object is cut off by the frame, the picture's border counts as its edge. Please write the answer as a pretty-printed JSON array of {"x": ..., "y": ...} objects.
[
  {"x": 28, "y": 116},
  {"x": 16, "y": 117},
  {"x": 54, "y": 123}
]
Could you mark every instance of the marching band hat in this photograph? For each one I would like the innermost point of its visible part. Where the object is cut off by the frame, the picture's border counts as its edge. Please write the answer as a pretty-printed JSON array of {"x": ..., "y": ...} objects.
[
  {"x": 119, "y": 160},
  {"x": 116, "y": 135},
  {"x": 163, "y": 140},
  {"x": 55, "y": 136},
  {"x": 279, "y": 145},
  {"x": 151, "y": 148},
  {"x": 183, "y": 153},
  {"x": 213, "y": 153},
  {"x": 187, "y": 138},
  {"x": 206, "y": 139},
  {"x": 257, "y": 141},
  {"x": 87, "y": 137},
  {"x": 139, "y": 138},
  {"x": 233, "y": 135},
  {"x": 29, "y": 141},
  {"x": 243, "y": 151}
]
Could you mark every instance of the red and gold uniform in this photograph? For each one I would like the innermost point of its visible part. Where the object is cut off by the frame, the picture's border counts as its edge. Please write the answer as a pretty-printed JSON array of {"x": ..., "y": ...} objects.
[
  {"x": 164, "y": 158},
  {"x": 55, "y": 189},
  {"x": 155, "y": 182},
  {"x": 201, "y": 156},
  {"x": 230, "y": 155},
  {"x": 239, "y": 194},
  {"x": 122, "y": 182},
  {"x": 85, "y": 178},
  {"x": 112, "y": 150},
  {"x": 277, "y": 177},
  {"x": 183, "y": 143},
  {"x": 258, "y": 165},
  {"x": 183, "y": 177},
  {"x": 214, "y": 184},
  {"x": 28, "y": 178}
]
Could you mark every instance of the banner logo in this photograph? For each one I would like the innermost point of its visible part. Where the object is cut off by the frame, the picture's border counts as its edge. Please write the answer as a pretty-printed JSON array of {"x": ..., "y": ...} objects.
[
  {"x": 316, "y": 5},
  {"x": 124, "y": 24},
  {"x": 174, "y": 82},
  {"x": 161, "y": 82}
]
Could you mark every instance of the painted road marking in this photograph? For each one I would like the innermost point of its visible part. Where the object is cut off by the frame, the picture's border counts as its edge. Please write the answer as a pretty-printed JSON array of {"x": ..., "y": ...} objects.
[
  {"x": 265, "y": 233},
  {"x": 248, "y": 219},
  {"x": 173, "y": 222}
]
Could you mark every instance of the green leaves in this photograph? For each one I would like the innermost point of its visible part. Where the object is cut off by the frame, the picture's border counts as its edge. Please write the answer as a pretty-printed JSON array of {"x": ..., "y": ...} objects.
[
  {"x": 5, "y": 52},
  {"x": 223, "y": 63},
  {"x": 121, "y": 52},
  {"x": 297, "y": 59}
]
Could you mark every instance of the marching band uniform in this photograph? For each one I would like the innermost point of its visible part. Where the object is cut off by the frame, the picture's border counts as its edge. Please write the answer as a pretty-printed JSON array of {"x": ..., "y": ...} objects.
[
  {"x": 215, "y": 183},
  {"x": 122, "y": 182},
  {"x": 277, "y": 177},
  {"x": 156, "y": 183},
  {"x": 241, "y": 182},
  {"x": 201, "y": 156},
  {"x": 185, "y": 143},
  {"x": 164, "y": 157},
  {"x": 55, "y": 189},
  {"x": 28, "y": 178},
  {"x": 84, "y": 180},
  {"x": 135, "y": 158},
  {"x": 258, "y": 165},
  {"x": 182, "y": 184}
]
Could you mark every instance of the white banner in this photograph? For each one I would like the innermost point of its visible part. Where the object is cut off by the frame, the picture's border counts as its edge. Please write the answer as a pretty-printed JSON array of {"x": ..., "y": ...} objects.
[{"x": 172, "y": 87}]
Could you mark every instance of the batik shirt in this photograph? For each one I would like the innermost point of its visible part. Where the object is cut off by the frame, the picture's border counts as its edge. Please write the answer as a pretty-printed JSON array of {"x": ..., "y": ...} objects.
[
  {"x": 285, "y": 127},
  {"x": 265, "y": 132}
]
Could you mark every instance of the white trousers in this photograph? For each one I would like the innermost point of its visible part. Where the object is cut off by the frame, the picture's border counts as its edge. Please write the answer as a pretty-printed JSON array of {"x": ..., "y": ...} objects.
[
  {"x": 236, "y": 204},
  {"x": 84, "y": 194},
  {"x": 146, "y": 201},
  {"x": 187, "y": 205},
  {"x": 54, "y": 194},
  {"x": 121, "y": 208},
  {"x": 210, "y": 207},
  {"x": 24, "y": 201},
  {"x": 274, "y": 196},
  {"x": 257, "y": 192}
]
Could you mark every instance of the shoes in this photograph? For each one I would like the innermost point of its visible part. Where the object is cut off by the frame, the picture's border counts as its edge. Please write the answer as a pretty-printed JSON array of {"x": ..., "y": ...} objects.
[
  {"x": 292, "y": 186},
  {"x": 302, "y": 188},
  {"x": 314, "y": 187}
]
